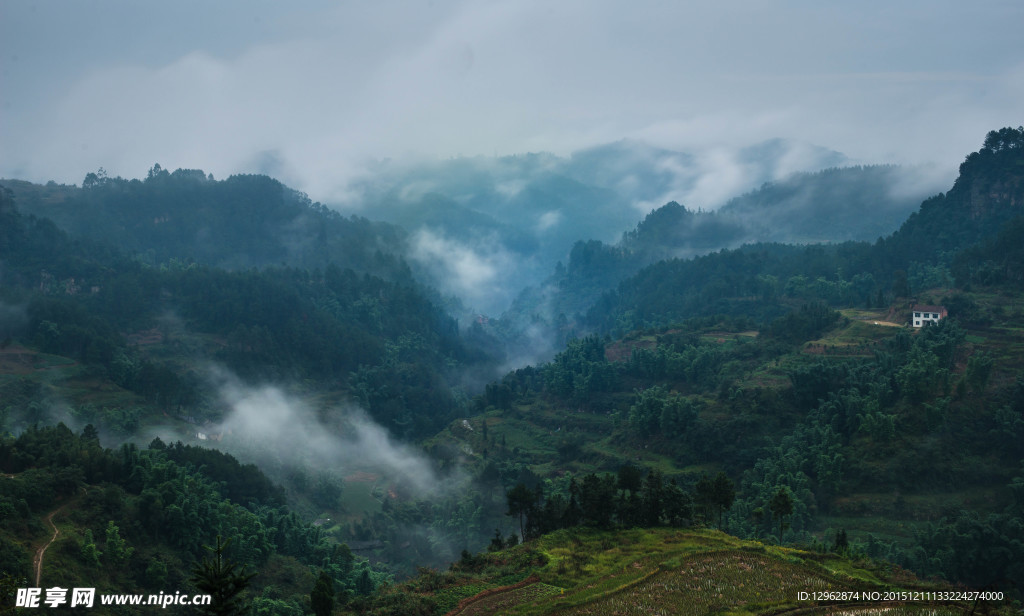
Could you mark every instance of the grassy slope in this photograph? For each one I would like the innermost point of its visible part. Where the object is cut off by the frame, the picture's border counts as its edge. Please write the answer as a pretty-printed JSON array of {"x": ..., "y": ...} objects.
[{"x": 653, "y": 571}]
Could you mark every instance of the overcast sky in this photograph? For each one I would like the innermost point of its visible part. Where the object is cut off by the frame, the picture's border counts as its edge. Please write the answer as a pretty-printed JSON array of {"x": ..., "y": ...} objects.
[{"x": 309, "y": 90}]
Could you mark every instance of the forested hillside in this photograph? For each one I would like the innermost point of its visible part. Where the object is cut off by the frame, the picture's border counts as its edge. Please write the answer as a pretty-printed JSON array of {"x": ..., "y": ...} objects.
[
  {"x": 150, "y": 329},
  {"x": 138, "y": 519},
  {"x": 907, "y": 443},
  {"x": 833, "y": 205},
  {"x": 918, "y": 256},
  {"x": 241, "y": 222},
  {"x": 773, "y": 392},
  {"x": 827, "y": 207}
]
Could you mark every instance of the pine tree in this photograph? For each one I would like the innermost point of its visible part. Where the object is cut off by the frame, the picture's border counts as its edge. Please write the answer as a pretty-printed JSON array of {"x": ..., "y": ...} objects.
[
  {"x": 221, "y": 579},
  {"x": 321, "y": 599},
  {"x": 781, "y": 506}
]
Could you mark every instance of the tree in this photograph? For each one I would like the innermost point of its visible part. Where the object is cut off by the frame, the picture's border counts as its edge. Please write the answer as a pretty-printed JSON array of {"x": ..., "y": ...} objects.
[
  {"x": 630, "y": 478},
  {"x": 572, "y": 515},
  {"x": 9, "y": 585},
  {"x": 90, "y": 554},
  {"x": 724, "y": 494},
  {"x": 1004, "y": 139},
  {"x": 117, "y": 551},
  {"x": 716, "y": 495},
  {"x": 223, "y": 580},
  {"x": 497, "y": 542},
  {"x": 321, "y": 599},
  {"x": 900, "y": 284},
  {"x": 757, "y": 515},
  {"x": 597, "y": 500},
  {"x": 781, "y": 506},
  {"x": 327, "y": 491},
  {"x": 156, "y": 574},
  {"x": 364, "y": 584},
  {"x": 677, "y": 505},
  {"x": 979, "y": 368},
  {"x": 842, "y": 543},
  {"x": 521, "y": 502},
  {"x": 652, "y": 499}
]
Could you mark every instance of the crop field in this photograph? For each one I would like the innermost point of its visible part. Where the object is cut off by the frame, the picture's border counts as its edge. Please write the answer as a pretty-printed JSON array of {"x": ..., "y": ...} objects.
[
  {"x": 714, "y": 582},
  {"x": 661, "y": 572},
  {"x": 496, "y": 603}
]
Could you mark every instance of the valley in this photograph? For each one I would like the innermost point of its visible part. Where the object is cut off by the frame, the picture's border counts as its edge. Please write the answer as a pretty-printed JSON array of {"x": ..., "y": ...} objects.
[{"x": 650, "y": 426}]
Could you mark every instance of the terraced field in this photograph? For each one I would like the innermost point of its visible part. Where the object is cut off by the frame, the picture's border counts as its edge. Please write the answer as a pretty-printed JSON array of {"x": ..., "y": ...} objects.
[
  {"x": 690, "y": 573},
  {"x": 715, "y": 582},
  {"x": 497, "y": 603}
]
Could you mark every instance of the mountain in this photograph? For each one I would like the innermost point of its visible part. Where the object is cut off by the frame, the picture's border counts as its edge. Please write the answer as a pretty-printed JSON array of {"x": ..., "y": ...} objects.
[
  {"x": 828, "y": 206},
  {"x": 237, "y": 223},
  {"x": 833, "y": 205},
  {"x": 478, "y": 229},
  {"x": 154, "y": 329},
  {"x": 646, "y": 174},
  {"x": 514, "y": 218},
  {"x": 760, "y": 277},
  {"x": 768, "y": 391},
  {"x": 789, "y": 370}
]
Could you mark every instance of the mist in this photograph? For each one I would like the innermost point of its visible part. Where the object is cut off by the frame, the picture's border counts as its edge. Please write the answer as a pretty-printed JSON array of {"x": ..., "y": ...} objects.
[
  {"x": 243, "y": 87},
  {"x": 476, "y": 270},
  {"x": 278, "y": 430},
  {"x": 13, "y": 318}
]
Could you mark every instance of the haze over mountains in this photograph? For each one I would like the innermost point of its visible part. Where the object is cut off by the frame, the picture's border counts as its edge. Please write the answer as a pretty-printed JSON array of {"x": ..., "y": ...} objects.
[
  {"x": 484, "y": 229},
  {"x": 525, "y": 244},
  {"x": 488, "y": 227}
]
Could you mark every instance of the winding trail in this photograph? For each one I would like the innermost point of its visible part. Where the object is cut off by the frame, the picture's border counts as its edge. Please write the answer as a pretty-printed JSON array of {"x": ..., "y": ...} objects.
[{"x": 37, "y": 561}]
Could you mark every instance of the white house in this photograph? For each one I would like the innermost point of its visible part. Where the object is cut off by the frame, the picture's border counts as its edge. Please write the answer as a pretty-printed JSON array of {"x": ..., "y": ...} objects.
[{"x": 924, "y": 315}]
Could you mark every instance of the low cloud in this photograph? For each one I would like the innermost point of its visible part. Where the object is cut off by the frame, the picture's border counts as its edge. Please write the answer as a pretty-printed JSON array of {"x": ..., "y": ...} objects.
[
  {"x": 547, "y": 220},
  {"x": 280, "y": 429},
  {"x": 471, "y": 269},
  {"x": 922, "y": 181},
  {"x": 325, "y": 86},
  {"x": 13, "y": 318}
]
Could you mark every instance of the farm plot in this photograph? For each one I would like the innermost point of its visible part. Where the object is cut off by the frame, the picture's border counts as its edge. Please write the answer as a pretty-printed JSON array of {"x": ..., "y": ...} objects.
[{"x": 713, "y": 583}]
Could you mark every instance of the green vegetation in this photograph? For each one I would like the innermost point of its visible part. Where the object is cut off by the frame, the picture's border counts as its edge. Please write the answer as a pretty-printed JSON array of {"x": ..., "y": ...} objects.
[
  {"x": 655, "y": 571},
  {"x": 381, "y": 342},
  {"x": 139, "y": 519},
  {"x": 771, "y": 391}
]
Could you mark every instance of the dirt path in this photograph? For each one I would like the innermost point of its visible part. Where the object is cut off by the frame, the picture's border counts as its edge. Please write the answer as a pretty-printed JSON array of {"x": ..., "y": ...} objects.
[{"x": 37, "y": 562}]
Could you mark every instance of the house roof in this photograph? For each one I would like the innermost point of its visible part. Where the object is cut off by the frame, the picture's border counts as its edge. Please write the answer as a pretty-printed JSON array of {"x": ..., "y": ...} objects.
[{"x": 924, "y": 308}]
